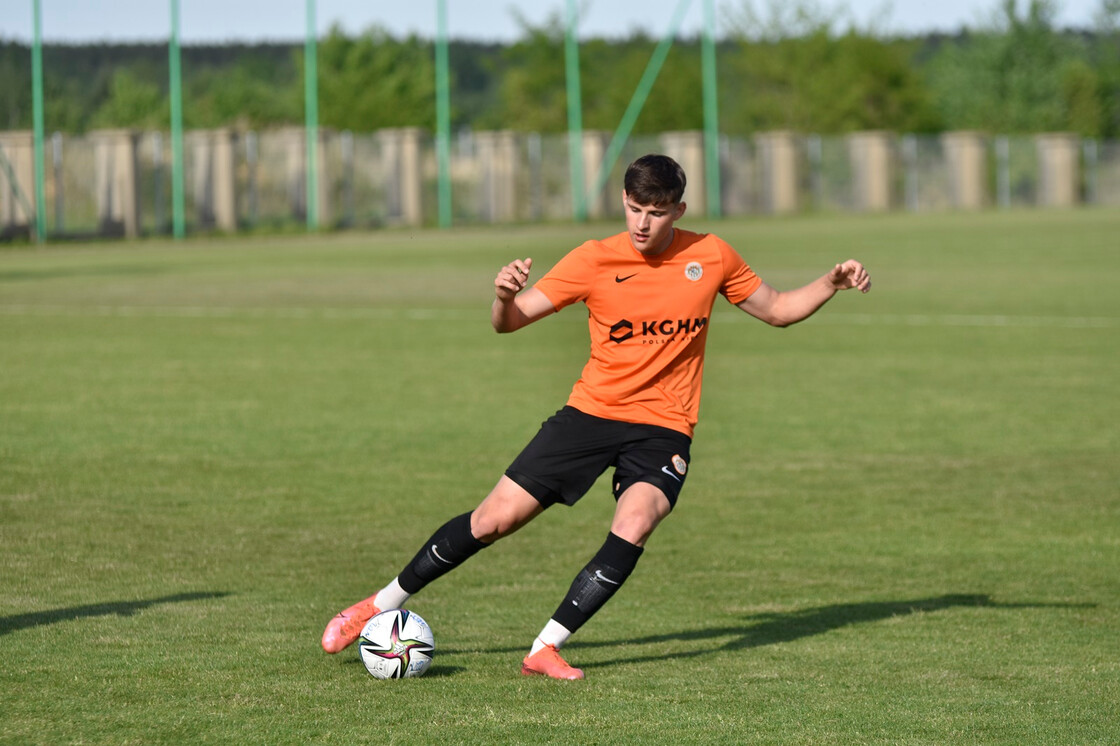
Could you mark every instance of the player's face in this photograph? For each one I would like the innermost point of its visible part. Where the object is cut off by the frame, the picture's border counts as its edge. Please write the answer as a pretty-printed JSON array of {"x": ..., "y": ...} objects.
[{"x": 651, "y": 226}]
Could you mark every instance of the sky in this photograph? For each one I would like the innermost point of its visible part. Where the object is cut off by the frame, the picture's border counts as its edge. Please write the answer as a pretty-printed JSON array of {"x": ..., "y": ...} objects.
[{"x": 217, "y": 21}]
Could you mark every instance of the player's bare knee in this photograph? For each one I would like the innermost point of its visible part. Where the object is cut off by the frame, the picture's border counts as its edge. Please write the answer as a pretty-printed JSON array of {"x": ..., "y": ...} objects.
[
  {"x": 640, "y": 509},
  {"x": 488, "y": 525},
  {"x": 635, "y": 526},
  {"x": 632, "y": 531},
  {"x": 500, "y": 514}
]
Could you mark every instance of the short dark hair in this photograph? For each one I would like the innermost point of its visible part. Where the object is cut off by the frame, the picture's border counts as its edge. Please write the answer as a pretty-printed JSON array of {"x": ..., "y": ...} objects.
[{"x": 654, "y": 180}]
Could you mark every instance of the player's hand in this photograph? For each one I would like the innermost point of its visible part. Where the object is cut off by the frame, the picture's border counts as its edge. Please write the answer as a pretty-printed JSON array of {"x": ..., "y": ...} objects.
[
  {"x": 512, "y": 279},
  {"x": 850, "y": 274}
]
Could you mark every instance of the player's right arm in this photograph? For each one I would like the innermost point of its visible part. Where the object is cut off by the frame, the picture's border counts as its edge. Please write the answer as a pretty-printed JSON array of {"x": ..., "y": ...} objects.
[{"x": 512, "y": 308}]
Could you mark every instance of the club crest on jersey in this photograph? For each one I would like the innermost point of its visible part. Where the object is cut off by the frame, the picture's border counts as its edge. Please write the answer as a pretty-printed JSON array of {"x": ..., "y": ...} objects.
[
  {"x": 694, "y": 271},
  {"x": 680, "y": 464}
]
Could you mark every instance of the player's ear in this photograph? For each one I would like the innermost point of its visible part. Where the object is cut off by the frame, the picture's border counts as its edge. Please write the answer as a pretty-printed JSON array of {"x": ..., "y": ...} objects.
[{"x": 681, "y": 207}]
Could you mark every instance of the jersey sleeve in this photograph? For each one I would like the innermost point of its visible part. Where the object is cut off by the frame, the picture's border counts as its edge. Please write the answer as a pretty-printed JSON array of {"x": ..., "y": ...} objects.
[
  {"x": 570, "y": 279},
  {"x": 739, "y": 280}
]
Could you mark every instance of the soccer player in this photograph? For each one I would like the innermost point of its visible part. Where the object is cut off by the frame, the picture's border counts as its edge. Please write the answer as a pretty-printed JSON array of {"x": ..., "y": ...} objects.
[{"x": 649, "y": 292}]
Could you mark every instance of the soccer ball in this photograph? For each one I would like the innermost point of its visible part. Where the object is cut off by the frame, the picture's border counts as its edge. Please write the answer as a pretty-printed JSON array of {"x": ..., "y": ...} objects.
[{"x": 396, "y": 644}]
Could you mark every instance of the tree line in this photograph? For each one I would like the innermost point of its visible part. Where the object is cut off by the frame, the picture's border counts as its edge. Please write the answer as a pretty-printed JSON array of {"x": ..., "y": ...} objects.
[{"x": 795, "y": 67}]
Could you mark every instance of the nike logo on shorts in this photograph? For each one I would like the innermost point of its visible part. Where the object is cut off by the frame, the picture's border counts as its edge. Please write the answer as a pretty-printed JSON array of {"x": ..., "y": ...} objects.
[{"x": 666, "y": 470}]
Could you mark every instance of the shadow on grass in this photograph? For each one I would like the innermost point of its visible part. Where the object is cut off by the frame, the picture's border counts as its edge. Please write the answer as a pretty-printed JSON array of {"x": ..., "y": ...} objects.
[
  {"x": 120, "y": 608},
  {"x": 772, "y": 628},
  {"x": 437, "y": 671}
]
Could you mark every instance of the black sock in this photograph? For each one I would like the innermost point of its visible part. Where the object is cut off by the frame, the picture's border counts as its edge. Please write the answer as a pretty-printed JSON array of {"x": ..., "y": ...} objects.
[
  {"x": 598, "y": 581},
  {"x": 450, "y": 546}
]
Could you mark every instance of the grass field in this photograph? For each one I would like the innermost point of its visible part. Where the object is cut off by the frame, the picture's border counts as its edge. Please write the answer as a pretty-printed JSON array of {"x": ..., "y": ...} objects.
[{"x": 902, "y": 521}]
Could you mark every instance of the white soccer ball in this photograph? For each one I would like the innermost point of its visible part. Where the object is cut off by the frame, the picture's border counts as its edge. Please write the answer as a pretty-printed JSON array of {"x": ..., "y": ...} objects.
[{"x": 396, "y": 644}]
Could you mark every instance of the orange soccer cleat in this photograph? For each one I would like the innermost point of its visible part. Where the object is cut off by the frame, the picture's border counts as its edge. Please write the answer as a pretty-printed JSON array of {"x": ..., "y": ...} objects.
[
  {"x": 547, "y": 662},
  {"x": 347, "y": 625}
]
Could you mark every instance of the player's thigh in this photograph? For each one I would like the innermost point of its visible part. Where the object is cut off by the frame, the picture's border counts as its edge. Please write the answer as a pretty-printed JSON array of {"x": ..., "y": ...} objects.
[
  {"x": 641, "y": 507},
  {"x": 507, "y": 508}
]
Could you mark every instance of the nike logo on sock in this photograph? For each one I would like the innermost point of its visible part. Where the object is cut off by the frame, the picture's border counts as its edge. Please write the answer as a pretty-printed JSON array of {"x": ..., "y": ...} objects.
[{"x": 600, "y": 576}]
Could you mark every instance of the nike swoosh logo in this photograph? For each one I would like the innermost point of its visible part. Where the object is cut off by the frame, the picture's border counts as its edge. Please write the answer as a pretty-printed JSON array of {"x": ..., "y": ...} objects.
[
  {"x": 666, "y": 470},
  {"x": 600, "y": 576},
  {"x": 441, "y": 559},
  {"x": 624, "y": 279}
]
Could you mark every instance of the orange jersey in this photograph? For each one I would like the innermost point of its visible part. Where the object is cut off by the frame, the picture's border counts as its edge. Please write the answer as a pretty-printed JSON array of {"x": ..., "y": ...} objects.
[{"x": 648, "y": 320}]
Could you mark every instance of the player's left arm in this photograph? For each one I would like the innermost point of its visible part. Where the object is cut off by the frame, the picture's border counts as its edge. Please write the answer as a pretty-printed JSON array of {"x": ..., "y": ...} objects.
[
  {"x": 782, "y": 308},
  {"x": 513, "y": 309}
]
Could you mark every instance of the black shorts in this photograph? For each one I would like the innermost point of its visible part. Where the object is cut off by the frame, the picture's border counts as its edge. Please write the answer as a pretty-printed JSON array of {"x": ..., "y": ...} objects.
[{"x": 573, "y": 449}]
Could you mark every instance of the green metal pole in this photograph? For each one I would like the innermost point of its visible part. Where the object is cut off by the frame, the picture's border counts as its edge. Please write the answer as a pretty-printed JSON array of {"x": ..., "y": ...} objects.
[
  {"x": 443, "y": 116},
  {"x": 311, "y": 117},
  {"x": 638, "y": 100},
  {"x": 575, "y": 113},
  {"x": 711, "y": 110},
  {"x": 178, "y": 222},
  {"x": 37, "y": 114}
]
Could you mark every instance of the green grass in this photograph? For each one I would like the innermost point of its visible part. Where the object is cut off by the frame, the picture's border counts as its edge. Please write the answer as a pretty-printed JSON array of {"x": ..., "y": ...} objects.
[{"x": 902, "y": 523}]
